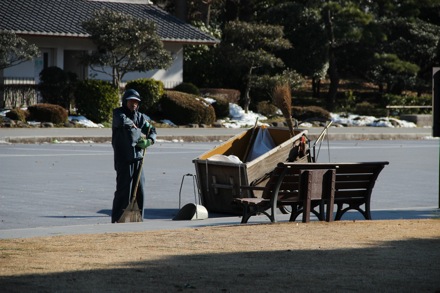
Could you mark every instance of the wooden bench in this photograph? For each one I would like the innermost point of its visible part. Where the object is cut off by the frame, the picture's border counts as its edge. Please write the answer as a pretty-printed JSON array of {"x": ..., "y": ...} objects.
[
  {"x": 291, "y": 186},
  {"x": 353, "y": 185}
]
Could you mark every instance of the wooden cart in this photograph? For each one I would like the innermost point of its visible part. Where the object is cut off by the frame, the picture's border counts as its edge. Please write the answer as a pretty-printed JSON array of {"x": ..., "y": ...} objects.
[{"x": 219, "y": 181}]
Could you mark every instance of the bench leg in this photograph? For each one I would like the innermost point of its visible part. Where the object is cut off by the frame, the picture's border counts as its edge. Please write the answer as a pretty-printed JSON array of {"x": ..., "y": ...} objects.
[
  {"x": 340, "y": 211},
  {"x": 352, "y": 206},
  {"x": 330, "y": 208},
  {"x": 246, "y": 214},
  {"x": 306, "y": 209},
  {"x": 295, "y": 212},
  {"x": 253, "y": 210},
  {"x": 367, "y": 214}
]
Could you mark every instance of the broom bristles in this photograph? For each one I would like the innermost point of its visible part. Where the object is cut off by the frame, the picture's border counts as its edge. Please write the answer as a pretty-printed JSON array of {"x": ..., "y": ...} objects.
[
  {"x": 131, "y": 214},
  {"x": 283, "y": 100}
]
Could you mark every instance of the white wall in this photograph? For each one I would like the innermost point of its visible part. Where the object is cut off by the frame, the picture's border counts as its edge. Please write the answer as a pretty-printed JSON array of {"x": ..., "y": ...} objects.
[
  {"x": 56, "y": 46},
  {"x": 170, "y": 77}
]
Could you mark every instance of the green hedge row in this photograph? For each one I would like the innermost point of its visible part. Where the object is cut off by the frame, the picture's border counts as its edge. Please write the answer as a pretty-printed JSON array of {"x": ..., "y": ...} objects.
[{"x": 186, "y": 108}]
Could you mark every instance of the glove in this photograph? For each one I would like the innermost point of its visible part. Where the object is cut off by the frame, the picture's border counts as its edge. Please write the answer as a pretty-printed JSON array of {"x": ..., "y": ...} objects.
[{"x": 143, "y": 143}]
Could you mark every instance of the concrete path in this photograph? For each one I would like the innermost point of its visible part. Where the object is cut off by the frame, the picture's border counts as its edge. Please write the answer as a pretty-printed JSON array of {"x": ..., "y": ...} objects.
[{"x": 66, "y": 188}]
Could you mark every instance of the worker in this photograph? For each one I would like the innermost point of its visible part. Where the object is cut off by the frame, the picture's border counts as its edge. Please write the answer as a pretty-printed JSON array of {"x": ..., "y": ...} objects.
[{"x": 128, "y": 129}]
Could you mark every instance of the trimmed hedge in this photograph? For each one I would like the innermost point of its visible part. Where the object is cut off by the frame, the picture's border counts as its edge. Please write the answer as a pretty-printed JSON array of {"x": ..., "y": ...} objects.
[
  {"x": 309, "y": 112},
  {"x": 150, "y": 90},
  {"x": 231, "y": 95},
  {"x": 182, "y": 108},
  {"x": 17, "y": 114},
  {"x": 187, "y": 87},
  {"x": 266, "y": 108},
  {"x": 47, "y": 113},
  {"x": 366, "y": 108},
  {"x": 221, "y": 106},
  {"x": 96, "y": 99}
]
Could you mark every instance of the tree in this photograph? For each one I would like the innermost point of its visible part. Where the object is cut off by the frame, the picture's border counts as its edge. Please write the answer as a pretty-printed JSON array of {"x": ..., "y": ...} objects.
[
  {"x": 248, "y": 46},
  {"x": 340, "y": 38},
  {"x": 344, "y": 22},
  {"x": 396, "y": 74},
  {"x": 200, "y": 61},
  {"x": 15, "y": 50},
  {"x": 303, "y": 28},
  {"x": 416, "y": 42},
  {"x": 124, "y": 44},
  {"x": 319, "y": 30},
  {"x": 263, "y": 86}
]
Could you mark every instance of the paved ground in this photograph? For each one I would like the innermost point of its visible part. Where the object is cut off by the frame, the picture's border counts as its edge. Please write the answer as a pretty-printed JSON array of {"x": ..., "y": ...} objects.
[{"x": 44, "y": 183}]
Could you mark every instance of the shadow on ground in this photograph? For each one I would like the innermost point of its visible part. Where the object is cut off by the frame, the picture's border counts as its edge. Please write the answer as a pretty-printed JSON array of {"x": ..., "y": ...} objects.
[{"x": 395, "y": 266}]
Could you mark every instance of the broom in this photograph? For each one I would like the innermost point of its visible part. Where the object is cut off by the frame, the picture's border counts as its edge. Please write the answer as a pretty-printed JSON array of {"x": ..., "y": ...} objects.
[
  {"x": 283, "y": 100},
  {"x": 132, "y": 213}
]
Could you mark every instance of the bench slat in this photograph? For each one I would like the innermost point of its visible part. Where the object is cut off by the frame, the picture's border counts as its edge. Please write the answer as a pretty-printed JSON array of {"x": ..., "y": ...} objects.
[
  {"x": 346, "y": 194},
  {"x": 352, "y": 185}
]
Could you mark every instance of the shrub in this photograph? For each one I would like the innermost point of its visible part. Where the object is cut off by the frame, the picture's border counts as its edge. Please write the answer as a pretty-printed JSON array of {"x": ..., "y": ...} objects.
[
  {"x": 56, "y": 86},
  {"x": 17, "y": 114},
  {"x": 47, "y": 113},
  {"x": 231, "y": 95},
  {"x": 151, "y": 92},
  {"x": 183, "y": 108},
  {"x": 310, "y": 112},
  {"x": 368, "y": 109},
  {"x": 187, "y": 87},
  {"x": 408, "y": 100},
  {"x": 221, "y": 106},
  {"x": 96, "y": 100},
  {"x": 266, "y": 108}
]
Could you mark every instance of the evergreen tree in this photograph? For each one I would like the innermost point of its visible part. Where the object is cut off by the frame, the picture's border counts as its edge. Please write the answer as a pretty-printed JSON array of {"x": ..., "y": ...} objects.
[
  {"x": 246, "y": 47},
  {"x": 124, "y": 44},
  {"x": 15, "y": 50}
]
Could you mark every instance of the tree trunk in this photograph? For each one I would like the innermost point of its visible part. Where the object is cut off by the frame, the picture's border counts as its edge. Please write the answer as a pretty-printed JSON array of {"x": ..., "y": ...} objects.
[
  {"x": 333, "y": 68},
  {"x": 247, "y": 97},
  {"x": 316, "y": 87},
  {"x": 207, "y": 11},
  {"x": 334, "y": 80},
  {"x": 116, "y": 78}
]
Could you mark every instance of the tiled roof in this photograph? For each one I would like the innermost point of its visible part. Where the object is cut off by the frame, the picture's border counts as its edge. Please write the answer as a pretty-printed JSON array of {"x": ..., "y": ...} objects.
[{"x": 64, "y": 18}]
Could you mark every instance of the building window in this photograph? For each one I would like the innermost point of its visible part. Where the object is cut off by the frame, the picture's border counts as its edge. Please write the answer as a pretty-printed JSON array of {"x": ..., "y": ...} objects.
[{"x": 45, "y": 60}]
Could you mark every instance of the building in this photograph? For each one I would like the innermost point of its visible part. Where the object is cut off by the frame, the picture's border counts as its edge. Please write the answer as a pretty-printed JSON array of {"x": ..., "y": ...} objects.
[{"x": 55, "y": 27}]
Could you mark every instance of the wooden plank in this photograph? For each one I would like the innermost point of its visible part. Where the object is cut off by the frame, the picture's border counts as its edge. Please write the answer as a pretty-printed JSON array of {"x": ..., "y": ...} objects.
[{"x": 350, "y": 194}]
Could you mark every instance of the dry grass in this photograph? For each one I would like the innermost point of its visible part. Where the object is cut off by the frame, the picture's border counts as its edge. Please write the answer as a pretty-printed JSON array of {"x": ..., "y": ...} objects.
[{"x": 361, "y": 256}]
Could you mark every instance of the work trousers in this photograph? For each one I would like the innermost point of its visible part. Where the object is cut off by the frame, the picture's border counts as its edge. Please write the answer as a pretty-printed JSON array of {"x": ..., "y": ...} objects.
[{"x": 126, "y": 176}]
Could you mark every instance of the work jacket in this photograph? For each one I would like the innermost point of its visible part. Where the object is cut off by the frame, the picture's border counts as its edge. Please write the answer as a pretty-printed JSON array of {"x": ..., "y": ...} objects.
[{"x": 125, "y": 135}]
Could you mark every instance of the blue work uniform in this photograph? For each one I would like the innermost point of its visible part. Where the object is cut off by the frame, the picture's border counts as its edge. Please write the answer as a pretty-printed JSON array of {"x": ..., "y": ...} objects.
[{"x": 127, "y": 156}]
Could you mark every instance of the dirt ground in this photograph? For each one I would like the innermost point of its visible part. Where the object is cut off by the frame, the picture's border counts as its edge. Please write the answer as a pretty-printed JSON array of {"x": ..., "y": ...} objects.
[{"x": 344, "y": 256}]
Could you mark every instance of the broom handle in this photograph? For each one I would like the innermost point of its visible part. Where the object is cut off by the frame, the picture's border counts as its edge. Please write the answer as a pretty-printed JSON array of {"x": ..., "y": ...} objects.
[{"x": 138, "y": 179}]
